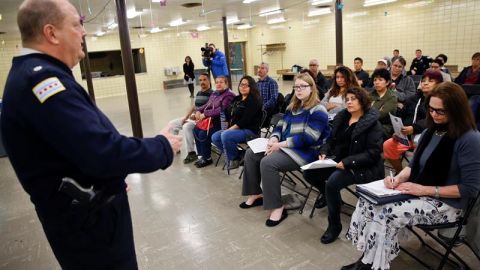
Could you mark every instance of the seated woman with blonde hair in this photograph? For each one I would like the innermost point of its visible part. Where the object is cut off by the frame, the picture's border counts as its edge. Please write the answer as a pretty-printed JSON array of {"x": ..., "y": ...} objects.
[
  {"x": 444, "y": 173},
  {"x": 294, "y": 143}
]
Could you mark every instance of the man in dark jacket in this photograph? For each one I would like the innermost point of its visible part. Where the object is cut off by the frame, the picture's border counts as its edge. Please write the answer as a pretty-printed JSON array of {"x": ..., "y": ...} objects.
[
  {"x": 53, "y": 131},
  {"x": 362, "y": 75},
  {"x": 320, "y": 80},
  {"x": 471, "y": 74},
  {"x": 419, "y": 64}
]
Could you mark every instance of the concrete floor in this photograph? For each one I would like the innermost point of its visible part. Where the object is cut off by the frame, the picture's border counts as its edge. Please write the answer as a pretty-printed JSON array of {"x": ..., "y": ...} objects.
[{"x": 188, "y": 218}]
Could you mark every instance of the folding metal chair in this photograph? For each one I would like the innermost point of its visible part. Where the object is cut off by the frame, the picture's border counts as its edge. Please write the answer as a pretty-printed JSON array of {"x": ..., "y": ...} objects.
[{"x": 448, "y": 245}]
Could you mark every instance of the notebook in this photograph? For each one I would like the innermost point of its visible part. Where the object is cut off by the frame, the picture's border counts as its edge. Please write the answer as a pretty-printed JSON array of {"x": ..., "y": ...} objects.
[{"x": 376, "y": 193}]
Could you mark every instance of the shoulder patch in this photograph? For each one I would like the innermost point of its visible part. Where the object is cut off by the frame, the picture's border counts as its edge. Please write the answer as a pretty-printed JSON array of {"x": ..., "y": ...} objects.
[{"x": 47, "y": 88}]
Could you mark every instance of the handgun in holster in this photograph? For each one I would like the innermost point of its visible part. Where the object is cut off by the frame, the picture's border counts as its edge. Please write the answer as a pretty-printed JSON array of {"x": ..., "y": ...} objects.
[{"x": 77, "y": 192}]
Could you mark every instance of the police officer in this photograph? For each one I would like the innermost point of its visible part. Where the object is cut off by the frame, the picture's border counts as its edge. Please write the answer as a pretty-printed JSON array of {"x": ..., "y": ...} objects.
[{"x": 52, "y": 130}]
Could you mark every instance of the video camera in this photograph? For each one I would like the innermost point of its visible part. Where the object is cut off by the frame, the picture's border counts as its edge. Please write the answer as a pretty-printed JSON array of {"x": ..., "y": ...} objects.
[{"x": 207, "y": 52}]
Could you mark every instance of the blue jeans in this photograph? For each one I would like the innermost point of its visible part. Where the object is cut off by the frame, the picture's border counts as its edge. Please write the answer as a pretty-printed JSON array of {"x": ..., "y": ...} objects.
[
  {"x": 203, "y": 141},
  {"x": 227, "y": 140}
]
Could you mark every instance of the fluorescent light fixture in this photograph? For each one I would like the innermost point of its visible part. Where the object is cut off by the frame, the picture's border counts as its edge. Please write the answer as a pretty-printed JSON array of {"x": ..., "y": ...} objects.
[
  {"x": 232, "y": 20},
  {"x": 203, "y": 27},
  {"x": 112, "y": 26},
  {"x": 318, "y": 12},
  {"x": 270, "y": 12},
  {"x": 248, "y": 1},
  {"x": 245, "y": 26},
  {"x": 276, "y": 20},
  {"x": 157, "y": 30},
  {"x": 319, "y": 2},
  {"x": 177, "y": 22},
  {"x": 100, "y": 33},
  {"x": 369, "y": 3},
  {"x": 356, "y": 14},
  {"x": 418, "y": 4},
  {"x": 132, "y": 13},
  {"x": 155, "y": 1}
]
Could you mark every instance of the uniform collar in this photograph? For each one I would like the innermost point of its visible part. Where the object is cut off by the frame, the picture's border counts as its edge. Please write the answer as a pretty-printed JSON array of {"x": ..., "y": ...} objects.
[{"x": 26, "y": 51}]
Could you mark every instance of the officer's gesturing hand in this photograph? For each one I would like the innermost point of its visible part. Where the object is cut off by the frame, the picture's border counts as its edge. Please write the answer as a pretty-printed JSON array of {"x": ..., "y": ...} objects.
[{"x": 174, "y": 140}]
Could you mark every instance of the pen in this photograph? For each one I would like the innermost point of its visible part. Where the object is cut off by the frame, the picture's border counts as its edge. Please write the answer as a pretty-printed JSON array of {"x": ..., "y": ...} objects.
[{"x": 392, "y": 179}]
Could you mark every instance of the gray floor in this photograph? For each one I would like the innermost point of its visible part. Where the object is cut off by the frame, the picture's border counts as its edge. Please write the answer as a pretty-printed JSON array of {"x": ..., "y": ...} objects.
[{"x": 188, "y": 218}]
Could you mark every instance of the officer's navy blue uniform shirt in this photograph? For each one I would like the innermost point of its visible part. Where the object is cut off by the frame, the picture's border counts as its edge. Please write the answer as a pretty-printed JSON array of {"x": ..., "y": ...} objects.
[{"x": 52, "y": 135}]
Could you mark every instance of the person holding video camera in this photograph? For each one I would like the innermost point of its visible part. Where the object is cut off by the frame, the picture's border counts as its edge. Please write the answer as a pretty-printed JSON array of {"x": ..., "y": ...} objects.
[{"x": 215, "y": 60}]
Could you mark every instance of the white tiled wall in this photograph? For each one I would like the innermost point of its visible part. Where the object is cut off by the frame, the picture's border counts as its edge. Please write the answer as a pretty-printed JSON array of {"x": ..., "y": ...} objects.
[{"x": 445, "y": 26}]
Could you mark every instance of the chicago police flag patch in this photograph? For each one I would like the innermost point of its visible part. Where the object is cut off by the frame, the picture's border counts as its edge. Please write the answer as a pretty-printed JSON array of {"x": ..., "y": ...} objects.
[{"x": 47, "y": 88}]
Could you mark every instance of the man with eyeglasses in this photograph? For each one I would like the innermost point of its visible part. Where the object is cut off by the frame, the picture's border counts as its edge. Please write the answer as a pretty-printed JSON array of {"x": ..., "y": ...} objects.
[
  {"x": 320, "y": 80},
  {"x": 404, "y": 85}
]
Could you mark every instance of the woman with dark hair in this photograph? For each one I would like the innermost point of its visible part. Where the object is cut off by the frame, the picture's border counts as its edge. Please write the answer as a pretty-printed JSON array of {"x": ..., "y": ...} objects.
[
  {"x": 210, "y": 113},
  {"x": 189, "y": 77},
  {"x": 384, "y": 100},
  {"x": 356, "y": 145},
  {"x": 444, "y": 173},
  {"x": 334, "y": 100},
  {"x": 413, "y": 116},
  {"x": 294, "y": 143},
  {"x": 245, "y": 115}
]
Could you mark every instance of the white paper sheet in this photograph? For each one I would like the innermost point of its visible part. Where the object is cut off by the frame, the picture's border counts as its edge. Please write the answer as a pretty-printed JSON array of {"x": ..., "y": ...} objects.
[
  {"x": 258, "y": 145},
  {"x": 318, "y": 164},
  {"x": 397, "y": 128}
]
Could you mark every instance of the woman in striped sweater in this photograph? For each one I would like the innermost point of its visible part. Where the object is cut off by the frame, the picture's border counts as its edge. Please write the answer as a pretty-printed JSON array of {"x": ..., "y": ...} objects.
[{"x": 294, "y": 143}]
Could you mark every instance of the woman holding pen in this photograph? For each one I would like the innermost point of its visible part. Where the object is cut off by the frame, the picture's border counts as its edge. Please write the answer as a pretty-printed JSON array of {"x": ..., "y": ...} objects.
[
  {"x": 444, "y": 173},
  {"x": 356, "y": 144}
]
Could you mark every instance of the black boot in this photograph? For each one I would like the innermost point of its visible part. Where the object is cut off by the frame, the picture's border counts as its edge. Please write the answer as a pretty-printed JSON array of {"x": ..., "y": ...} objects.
[
  {"x": 358, "y": 265},
  {"x": 321, "y": 202},
  {"x": 332, "y": 233}
]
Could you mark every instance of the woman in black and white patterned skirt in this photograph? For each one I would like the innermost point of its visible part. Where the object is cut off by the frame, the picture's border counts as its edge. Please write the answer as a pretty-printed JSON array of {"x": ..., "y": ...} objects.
[{"x": 444, "y": 173}]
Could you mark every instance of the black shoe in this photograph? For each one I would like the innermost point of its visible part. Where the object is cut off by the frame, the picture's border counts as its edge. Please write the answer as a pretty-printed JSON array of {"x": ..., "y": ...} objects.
[
  {"x": 191, "y": 157},
  {"x": 203, "y": 162},
  {"x": 273, "y": 223},
  {"x": 358, "y": 265},
  {"x": 233, "y": 164},
  {"x": 331, "y": 234},
  {"x": 257, "y": 202},
  {"x": 321, "y": 202}
]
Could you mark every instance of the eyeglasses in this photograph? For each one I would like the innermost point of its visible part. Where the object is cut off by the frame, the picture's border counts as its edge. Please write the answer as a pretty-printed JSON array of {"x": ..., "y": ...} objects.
[
  {"x": 244, "y": 85},
  {"x": 312, "y": 65},
  {"x": 300, "y": 87},
  {"x": 352, "y": 99},
  {"x": 437, "y": 111}
]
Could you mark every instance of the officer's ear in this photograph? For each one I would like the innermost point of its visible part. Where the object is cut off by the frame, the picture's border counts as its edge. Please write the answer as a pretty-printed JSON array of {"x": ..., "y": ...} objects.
[{"x": 50, "y": 34}]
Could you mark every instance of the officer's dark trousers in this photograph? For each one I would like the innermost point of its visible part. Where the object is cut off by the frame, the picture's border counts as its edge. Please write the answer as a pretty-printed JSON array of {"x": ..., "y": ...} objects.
[{"x": 100, "y": 240}]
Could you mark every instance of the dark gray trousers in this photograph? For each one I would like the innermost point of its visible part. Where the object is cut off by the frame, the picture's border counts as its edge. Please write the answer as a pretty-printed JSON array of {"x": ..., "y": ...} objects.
[{"x": 265, "y": 169}]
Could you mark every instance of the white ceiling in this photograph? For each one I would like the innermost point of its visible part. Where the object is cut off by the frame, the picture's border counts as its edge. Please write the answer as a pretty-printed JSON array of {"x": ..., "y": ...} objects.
[{"x": 100, "y": 13}]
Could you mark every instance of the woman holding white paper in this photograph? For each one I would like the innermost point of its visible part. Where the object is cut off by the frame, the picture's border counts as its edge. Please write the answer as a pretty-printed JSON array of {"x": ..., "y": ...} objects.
[
  {"x": 298, "y": 134},
  {"x": 356, "y": 143},
  {"x": 413, "y": 116},
  {"x": 444, "y": 173}
]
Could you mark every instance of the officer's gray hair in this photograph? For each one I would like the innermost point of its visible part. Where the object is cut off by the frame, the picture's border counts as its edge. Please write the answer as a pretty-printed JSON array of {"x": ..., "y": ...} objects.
[{"x": 33, "y": 15}]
